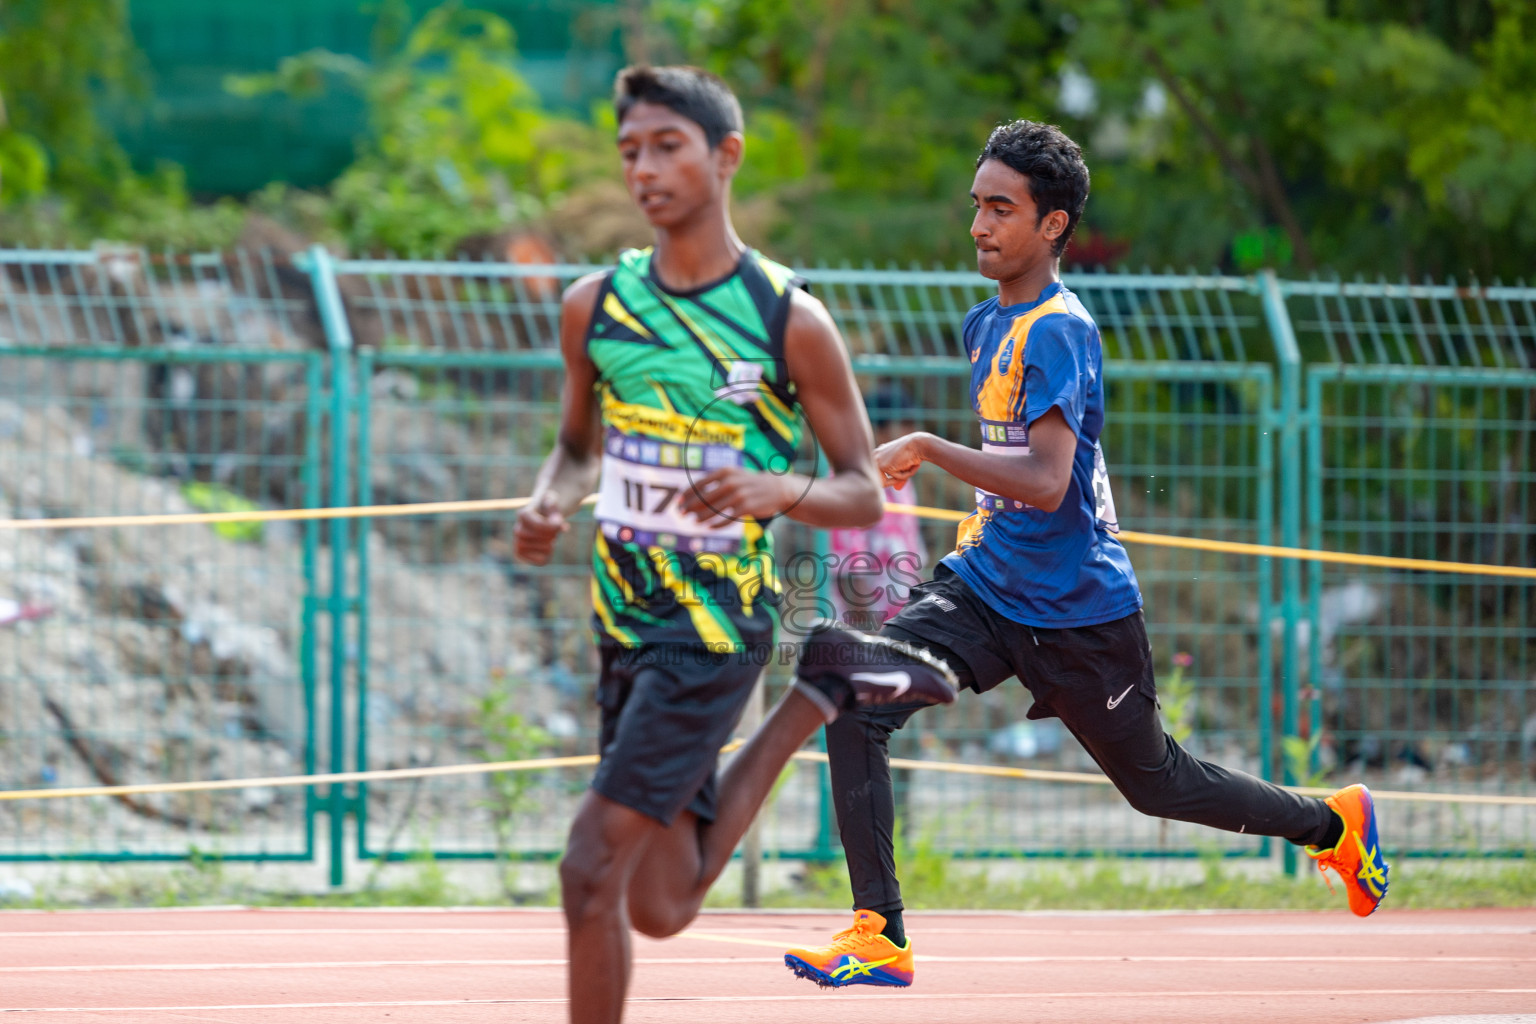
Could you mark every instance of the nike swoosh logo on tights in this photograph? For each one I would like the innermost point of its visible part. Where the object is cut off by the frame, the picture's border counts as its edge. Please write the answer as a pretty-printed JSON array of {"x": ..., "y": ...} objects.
[
  {"x": 898, "y": 681},
  {"x": 1114, "y": 702}
]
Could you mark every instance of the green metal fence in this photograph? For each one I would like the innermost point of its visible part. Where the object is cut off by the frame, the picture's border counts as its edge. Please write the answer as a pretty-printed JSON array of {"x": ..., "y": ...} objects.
[
  {"x": 1421, "y": 406},
  {"x": 1406, "y": 429},
  {"x": 145, "y": 386}
]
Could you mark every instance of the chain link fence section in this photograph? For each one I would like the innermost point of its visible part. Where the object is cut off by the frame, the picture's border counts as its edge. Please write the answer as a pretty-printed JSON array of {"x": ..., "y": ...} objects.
[
  {"x": 461, "y": 382},
  {"x": 137, "y": 383},
  {"x": 1385, "y": 419},
  {"x": 1422, "y": 402}
]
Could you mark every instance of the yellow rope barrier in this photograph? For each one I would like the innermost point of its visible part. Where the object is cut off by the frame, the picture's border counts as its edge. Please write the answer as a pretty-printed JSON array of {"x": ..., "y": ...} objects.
[
  {"x": 1163, "y": 540},
  {"x": 580, "y": 760},
  {"x": 379, "y": 775},
  {"x": 923, "y": 511},
  {"x": 512, "y": 504},
  {"x": 424, "y": 508}
]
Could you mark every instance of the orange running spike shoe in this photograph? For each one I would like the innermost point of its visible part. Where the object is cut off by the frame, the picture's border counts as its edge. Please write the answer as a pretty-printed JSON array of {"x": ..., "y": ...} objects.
[
  {"x": 1357, "y": 859},
  {"x": 858, "y": 955}
]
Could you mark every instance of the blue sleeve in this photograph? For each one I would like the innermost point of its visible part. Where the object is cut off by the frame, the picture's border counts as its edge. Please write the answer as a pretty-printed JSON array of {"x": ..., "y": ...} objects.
[
  {"x": 968, "y": 328},
  {"x": 1056, "y": 369}
]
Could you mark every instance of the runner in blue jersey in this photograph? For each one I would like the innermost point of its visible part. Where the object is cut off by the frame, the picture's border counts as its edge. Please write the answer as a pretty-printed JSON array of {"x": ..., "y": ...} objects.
[
  {"x": 1060, "y": 567},
  {"x": 1038, "y": 586}
]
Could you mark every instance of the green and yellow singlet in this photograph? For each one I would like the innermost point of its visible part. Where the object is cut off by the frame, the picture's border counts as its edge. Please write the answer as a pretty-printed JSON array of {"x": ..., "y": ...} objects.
[{"x": 689, "y": 382}]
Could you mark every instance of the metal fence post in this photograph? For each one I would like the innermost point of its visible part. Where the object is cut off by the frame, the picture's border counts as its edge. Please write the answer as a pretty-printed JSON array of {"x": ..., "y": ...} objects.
[
  {"x": 1312, "y": 414},
  {"x": 1291, "y": 496},
  {"x": 363, "y": 407},
  {"x": 1265, "y": 643},
  {"x": 333, "y": 319},
  {"x": 314, "y": 411}
]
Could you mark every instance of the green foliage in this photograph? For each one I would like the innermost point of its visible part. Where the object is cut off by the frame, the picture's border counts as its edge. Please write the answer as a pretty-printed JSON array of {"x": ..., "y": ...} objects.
[
  {"x": 1176, "y": 694},
  {"x": 64, "y": 180},
  {"x": 1100, "y": 884},
  {"x": 154, "y": 210},
  {"x": 427, "y": 885},
  {"x": 889, "y": 103},
  {"x": 508, "y": 735},
  {"x": 1109, "y": 884},
  {"x": 211, "y": 497},
  {"x": 1295, "y": 133},
  {"x": 459, "y": 143},
  {"x": 1357, "y": 134},
  {"x": 55, "y": 60},
  {"x": 1301, "y": 759},
  {"x": 23, "y": 162}
]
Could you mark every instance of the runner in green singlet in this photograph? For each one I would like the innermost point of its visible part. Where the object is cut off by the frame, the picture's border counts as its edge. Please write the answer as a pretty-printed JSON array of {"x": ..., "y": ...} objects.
[{"x": 689, "y": 369}]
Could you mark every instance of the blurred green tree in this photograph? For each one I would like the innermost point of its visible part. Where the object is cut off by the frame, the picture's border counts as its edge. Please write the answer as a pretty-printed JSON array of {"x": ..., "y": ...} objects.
[
  {"x": 1344, "y": 135},
  {"x": 1374, "y": 136},
  {"x": 1357, "y": 135},
  {"x": 56, "y": 60},
  {"x": 888, "y": 100},
  {"x": 64, "y": 180},
  {"x": 459, "y": 143}
]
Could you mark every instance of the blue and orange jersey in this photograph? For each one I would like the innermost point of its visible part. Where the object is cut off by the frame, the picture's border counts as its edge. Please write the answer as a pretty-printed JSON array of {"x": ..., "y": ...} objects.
[{"x": 1047, "y": 569}]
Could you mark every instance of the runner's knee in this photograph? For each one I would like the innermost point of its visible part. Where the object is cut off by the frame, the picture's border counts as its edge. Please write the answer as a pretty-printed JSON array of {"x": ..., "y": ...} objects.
[
  {"x": 591, "y": 881},
  {"x": 1150, "y": 786},
  {"x": 850, "y": 731},
  {"x": 1148, "y": 799},
  {"x": 659, "y": 917}
]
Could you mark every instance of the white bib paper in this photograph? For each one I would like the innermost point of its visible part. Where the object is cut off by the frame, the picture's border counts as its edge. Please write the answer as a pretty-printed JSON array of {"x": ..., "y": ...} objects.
[
  {"x": 1103, "y": 497},
  {"x": 643, "y": 485},
  {"x": 998, "y": 438}
]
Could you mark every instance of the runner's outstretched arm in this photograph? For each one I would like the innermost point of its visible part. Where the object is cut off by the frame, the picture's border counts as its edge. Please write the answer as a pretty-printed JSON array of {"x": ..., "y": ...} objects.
[
  {"x": 1039, "y": 478},
  {"x": 570, "y": 472}
]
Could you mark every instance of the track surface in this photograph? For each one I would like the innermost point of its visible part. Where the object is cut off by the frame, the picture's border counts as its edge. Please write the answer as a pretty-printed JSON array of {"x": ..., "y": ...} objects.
[{"x": 446, "y": 966}]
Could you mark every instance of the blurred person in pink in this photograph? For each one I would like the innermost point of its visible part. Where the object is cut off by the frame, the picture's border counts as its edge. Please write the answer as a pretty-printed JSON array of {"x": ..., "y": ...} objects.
[{"x": 874, "y": 569}]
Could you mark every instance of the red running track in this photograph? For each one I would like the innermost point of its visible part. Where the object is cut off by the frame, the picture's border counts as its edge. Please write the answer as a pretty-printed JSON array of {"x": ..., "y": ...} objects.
[{"x": 445, "y": 966}]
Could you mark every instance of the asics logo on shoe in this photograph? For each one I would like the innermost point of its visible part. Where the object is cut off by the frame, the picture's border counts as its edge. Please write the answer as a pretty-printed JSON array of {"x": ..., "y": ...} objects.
[
  {"x": 855, "y": 966},
  {"x": 1370, "y": 873},
  {"x": 1114, "y": 702},
  {"x": 897, "y": 681}
]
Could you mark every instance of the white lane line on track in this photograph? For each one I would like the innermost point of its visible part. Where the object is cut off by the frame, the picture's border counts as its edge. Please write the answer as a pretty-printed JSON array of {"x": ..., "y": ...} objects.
[
  {"x": 306, "y": 965},
  {"x": 325, "y": 965},
  {"x": 817, "y": 998},
  {"x": 1351, "y": 927},
  {"x": 1354, "y": 928},
  {"x": 209, "y": 932},
  {"x": 1371, "y": 929}
]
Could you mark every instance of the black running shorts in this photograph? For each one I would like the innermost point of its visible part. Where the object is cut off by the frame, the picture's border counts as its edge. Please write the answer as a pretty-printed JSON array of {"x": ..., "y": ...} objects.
[
  {"x": 1103, "y": 672},
  {"x": 667, "y": 709}
]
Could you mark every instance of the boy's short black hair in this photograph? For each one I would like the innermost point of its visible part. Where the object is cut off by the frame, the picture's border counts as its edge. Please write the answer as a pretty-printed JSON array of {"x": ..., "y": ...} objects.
[
  {"x": 692, "y": 92},
  {"x": 1053, "y": 164}
]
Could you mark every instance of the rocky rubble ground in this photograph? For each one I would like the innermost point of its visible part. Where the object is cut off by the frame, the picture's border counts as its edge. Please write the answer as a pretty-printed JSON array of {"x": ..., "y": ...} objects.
[{"x": 176, "y": 652}]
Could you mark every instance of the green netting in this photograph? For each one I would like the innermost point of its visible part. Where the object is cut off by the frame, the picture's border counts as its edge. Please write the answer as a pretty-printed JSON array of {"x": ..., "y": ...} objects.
[
  {"x": 137, "y": 383},
  {"x": 169, "y": 654},
  {"x": 1421, "y": 445},
  {"x": 469, "y": 355}
]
